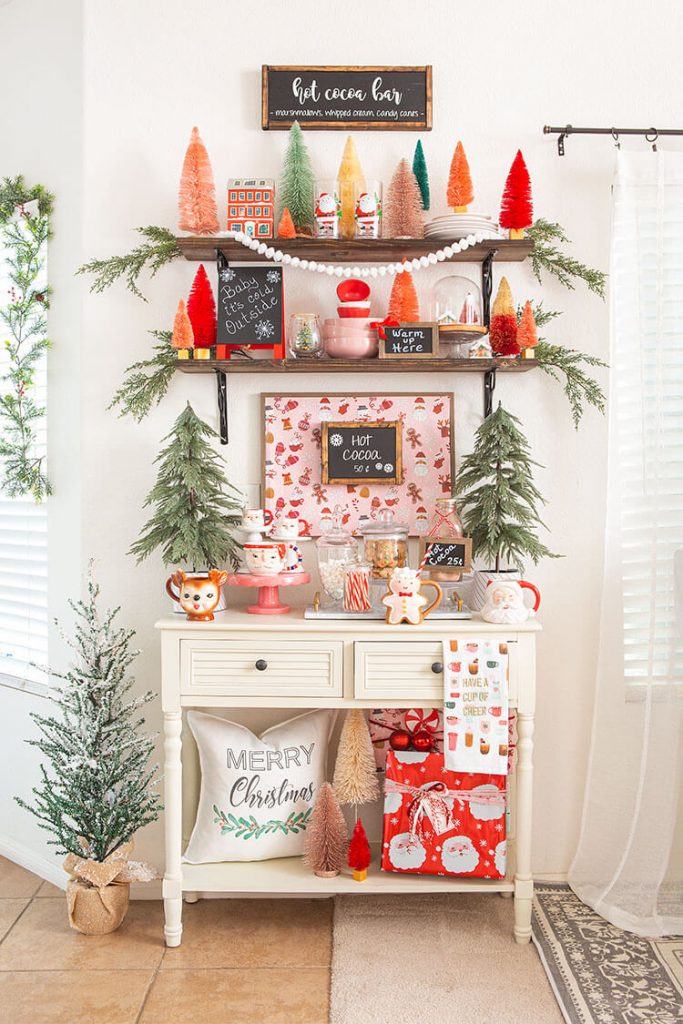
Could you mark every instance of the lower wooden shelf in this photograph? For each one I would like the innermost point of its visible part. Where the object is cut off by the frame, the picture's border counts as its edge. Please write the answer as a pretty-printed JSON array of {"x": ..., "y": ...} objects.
[
  {"x": 290, "y": 875},
  {"x": 325, "y": 366}
]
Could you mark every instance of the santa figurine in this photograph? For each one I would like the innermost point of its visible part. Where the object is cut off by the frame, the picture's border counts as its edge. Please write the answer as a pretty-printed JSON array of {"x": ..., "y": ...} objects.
[
  {"x": 327, "y": 215},
  {"x": 368, "y": 215}
]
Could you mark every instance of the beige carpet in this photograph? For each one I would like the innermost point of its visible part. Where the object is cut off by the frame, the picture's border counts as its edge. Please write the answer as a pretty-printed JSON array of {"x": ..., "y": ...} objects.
[{"x": 418, "y": 959}]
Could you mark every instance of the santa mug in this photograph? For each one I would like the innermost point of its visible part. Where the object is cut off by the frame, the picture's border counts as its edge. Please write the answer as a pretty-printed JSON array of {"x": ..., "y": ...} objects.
[
  {"x": 290, "y": 529},
  {"x": 254, "y": 522},
  {"x": 265, "y": 559}
]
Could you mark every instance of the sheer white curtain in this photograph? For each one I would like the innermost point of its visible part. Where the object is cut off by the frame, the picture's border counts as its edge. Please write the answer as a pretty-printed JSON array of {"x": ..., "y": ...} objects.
[{"x": 625, "y": 867}]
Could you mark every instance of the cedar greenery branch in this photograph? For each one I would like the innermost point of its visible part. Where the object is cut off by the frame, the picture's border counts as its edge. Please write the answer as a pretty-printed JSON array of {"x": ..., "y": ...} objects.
[
  {"x": 159, "y": 247},
  {"x": 147, "y": 381},
  {"x": 97, "y": 786},
  {"x": 25, "y": 318}
]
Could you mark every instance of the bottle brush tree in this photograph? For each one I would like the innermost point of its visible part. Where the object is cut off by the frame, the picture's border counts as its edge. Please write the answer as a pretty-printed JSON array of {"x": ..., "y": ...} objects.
[
  {"x": 326, "y": 836},
  {"x": 350, "y": 172},
  {"x": 355, "y": 771},
  {"x": 421, "y": 174},
  {"x": 527, "y": 334},
  {"x": 503, "y": 329},
  {"x": 297, "y": 182},
  {"x": 516, "y": 208},
  {"x": 197, "y": 210},
  {"x": 359, "y": 852},
  {"x": 182, "y": 339},
  {"x": 403, "y": 205},
  {"x": 97, "y": 785},
  {"x": 460, "y": 192},
  {"x": 285, "y": 228},
  {"x": 201, "y": 309},
  {"x": 195, "y": 508},
  {"x": 498, "y": 498},
  {"x": 404, "y": 305}
]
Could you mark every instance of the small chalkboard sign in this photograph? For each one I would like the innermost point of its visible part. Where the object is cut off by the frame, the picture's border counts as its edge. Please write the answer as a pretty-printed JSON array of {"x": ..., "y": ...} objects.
[
  {"x": 250, "y": 305},
  {"x": 410, "y": 341},
  {"x": 347, "y": 97},
  {"x": 362, "y": 451},
  {"x": 445, "y": 553}
]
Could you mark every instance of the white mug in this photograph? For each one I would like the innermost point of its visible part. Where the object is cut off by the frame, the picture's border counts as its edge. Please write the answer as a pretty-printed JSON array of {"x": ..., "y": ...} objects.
[
  {"x": 256, "y": 518},
  {"x": 290, "y": 529},
  {"x": 265, "y": 559}
]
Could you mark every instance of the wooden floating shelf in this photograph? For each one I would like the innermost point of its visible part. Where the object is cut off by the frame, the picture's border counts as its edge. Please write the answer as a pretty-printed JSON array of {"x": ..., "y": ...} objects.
[
  {"x": 380, "y": 250},
  {"x": 380, "y": 366}
]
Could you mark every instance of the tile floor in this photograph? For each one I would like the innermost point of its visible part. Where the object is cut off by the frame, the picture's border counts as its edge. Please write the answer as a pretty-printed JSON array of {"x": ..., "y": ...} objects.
[{"x": 267, "y": 962}]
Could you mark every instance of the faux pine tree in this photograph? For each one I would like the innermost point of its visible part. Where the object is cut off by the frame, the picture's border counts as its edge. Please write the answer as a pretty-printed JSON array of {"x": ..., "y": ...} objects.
[
  {"x": 421, "y": 174},
  {"x": 498, "y": 498},
  {"x": 195, "y": 507},
  {"x": 326, "y": 836},
  {"x": 97, "y": 786},
  {"x": 297, "y": 183},
  {"x": 355, "y": 772}
]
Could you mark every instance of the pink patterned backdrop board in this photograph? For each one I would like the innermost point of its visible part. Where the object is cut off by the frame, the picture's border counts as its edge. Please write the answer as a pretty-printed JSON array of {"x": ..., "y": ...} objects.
[{"x": 293, "y": 462}]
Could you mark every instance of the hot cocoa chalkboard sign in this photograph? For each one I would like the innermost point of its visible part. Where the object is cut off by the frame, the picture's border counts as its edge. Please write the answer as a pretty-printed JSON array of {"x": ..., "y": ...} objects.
[
  {"x": 410, "y": 341},
  {"x": 447, "y": 553},
  {"x": 347, "y": 97},
  {"x": 362, "y": 451},
  {"x": 250, "y": 305}
]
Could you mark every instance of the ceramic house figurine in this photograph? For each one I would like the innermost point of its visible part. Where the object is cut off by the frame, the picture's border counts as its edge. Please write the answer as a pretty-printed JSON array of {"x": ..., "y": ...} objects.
[
  {"x": 404, "y": 602},
  {"x": 251, "y": 206}
]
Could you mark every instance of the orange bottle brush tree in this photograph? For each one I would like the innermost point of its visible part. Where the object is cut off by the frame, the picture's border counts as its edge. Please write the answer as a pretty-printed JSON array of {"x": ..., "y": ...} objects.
[
  {"x": 197, "y": 210},
  {"x": 460, "y": 192}
]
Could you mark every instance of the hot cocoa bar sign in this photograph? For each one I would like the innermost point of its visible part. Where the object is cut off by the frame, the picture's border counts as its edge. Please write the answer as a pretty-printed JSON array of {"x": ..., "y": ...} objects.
[
  {"x": 347, "y": 97},
  {"x": 362, "y": 451}
]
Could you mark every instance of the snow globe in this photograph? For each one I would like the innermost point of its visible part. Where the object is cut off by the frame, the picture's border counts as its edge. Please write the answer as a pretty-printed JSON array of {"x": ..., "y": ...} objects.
[{"x": 456, "y": 306}]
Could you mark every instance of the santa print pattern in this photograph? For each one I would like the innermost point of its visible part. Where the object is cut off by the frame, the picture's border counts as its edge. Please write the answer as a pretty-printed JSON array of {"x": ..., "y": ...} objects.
[
  {"x": 473, "y": 840},
  {"x": 293, "y": 461}
]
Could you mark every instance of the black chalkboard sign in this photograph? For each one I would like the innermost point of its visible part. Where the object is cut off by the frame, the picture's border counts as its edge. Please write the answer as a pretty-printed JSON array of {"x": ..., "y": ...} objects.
[
  {"x": 347, "y": 97},
  {"x": 447, "y": 554},
  {"x": 410, "y": 341},
  {"x": 358, "y": 451},
  {"x": 250, "y": 305}
]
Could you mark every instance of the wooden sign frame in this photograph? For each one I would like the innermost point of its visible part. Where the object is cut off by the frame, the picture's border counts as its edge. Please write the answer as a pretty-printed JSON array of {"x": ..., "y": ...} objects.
[
  {"x": 425, "y": 542},
  {"x": 421, "y": 124},
  {"x": 397, "y": 425},
  {"x": 434, "y": 327}
]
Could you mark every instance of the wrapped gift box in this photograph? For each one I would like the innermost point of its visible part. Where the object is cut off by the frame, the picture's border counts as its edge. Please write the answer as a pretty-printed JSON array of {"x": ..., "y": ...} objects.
[
  {"x": 385, "y": 721},
  {"x": 438, "y": 822}
]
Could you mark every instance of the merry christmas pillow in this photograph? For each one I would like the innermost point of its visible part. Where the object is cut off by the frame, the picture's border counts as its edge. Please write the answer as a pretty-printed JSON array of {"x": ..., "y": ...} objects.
[{"x": 257, "y": 794}]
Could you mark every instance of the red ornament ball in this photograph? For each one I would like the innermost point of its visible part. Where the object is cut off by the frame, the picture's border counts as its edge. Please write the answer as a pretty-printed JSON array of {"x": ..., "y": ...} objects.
[
  {"x": 423, "y": 741},
  {"x": 400, "y": 740}
]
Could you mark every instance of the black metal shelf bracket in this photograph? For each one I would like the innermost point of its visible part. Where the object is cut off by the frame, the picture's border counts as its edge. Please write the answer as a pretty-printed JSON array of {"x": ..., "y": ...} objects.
[
  {"x": 489, "y": 388},
  {"x": 487, "y": 286},
  {"x": 222, "y": 385}
]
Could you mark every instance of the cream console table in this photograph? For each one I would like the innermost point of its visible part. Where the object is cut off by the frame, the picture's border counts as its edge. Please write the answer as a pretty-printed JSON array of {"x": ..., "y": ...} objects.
[{"x": 285, "y": 661}]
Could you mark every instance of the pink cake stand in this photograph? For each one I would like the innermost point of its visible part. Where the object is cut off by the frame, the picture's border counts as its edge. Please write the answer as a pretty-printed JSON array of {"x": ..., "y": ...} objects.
[{"x": 268, "y": 595}]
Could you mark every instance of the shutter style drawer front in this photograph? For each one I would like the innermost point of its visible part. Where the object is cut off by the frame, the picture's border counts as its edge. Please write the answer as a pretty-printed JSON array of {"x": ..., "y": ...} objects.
[{"x": 274, "y": 668}]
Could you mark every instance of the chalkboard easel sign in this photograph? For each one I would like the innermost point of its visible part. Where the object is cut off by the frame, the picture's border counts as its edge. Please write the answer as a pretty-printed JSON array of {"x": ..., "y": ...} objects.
[
  {"x": 362, "y": 451},
  {"x": 338, "y": 98},
  {"x": 250, "y": 306},
  {"x": 447, "y": 554},
  {"x": 410, "y": 341}
]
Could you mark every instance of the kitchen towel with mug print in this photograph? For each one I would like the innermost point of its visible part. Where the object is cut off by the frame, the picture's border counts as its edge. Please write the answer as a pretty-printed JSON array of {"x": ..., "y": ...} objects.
[{"x": 476, "y": 706}]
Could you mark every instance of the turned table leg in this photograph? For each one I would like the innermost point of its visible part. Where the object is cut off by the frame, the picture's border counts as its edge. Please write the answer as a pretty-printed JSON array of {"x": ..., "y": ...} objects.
[
  {"x": 172, "y": 886},
  {"x": 524, "y": 884}
]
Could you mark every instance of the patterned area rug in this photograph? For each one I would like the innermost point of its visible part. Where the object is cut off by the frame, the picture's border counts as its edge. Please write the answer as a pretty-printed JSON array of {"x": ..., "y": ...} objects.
[{"x": 600, "y": 974}]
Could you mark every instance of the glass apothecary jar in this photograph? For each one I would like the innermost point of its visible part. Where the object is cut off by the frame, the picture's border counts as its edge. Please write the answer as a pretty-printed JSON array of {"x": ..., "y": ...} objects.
[
  {"x": 357, "y": 587},
  {"x": 456, "y": 306},
  {"x": 335, "y": 548},
  {"x": 445, "y": 525},
  {"x": 385, "y": 544},
  {"x": 305, "y": 337}
]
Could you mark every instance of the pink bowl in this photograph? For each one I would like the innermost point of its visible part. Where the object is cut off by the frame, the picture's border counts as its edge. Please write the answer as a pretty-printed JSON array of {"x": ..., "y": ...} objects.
[
  {"x": 346, "y": 312},
  {"x": 351, "y": 348},
  {"x": 346, "y": 323}
]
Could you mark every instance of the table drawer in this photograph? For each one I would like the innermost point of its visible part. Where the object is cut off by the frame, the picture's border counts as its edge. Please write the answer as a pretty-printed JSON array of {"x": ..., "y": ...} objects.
[{"x": 287, "y": 668}]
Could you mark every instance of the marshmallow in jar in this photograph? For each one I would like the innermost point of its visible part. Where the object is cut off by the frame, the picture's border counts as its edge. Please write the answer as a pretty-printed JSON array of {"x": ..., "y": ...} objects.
[{"x": 335, "y": 548}]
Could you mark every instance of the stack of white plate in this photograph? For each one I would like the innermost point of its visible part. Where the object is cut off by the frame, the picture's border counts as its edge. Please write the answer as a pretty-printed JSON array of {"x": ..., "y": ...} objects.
[{"x": 455, "y": 226}]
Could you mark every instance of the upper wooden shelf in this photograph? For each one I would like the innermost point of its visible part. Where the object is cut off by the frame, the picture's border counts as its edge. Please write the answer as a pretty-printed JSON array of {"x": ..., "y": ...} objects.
[
  {"x": 380, "y": 250},
  {"x": 325, "y": 366}
]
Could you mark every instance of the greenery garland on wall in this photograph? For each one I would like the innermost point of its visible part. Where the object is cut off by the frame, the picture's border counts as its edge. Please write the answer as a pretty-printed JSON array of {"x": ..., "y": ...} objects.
[{"x": 24, "y": 317}]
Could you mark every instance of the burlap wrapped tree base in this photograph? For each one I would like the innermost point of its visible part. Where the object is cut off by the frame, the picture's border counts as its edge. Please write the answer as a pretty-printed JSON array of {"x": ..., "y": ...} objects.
[{"x": 96, "y": 910}]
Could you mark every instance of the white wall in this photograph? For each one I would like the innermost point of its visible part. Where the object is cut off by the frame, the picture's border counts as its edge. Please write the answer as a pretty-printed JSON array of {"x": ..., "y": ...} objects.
[{"x": 153, "y": 70}]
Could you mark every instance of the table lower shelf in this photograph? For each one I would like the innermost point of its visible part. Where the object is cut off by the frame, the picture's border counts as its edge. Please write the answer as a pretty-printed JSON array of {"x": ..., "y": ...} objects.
[{"x": 290, "y": 876}]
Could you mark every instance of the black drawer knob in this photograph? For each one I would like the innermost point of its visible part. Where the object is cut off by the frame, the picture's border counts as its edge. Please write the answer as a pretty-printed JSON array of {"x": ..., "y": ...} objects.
[
  {"x": 437, "y": 667},
  {"x": 261, "y": 665}
]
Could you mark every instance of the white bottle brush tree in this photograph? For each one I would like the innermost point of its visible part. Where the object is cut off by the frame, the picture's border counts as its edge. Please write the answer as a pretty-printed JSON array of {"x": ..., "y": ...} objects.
[
  {"x": 97, "y": 786},
  {"x": 498, "y": 498}
]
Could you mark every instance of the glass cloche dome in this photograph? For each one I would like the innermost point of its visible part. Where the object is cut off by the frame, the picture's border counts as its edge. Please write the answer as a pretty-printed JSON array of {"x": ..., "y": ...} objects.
[{"x": 456, "y": 306}]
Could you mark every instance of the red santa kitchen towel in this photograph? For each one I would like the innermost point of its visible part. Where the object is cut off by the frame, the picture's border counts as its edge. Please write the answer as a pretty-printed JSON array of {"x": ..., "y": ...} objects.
[
  {"x": 476, "y": 706},
  {"x": 438, "y": 822}
]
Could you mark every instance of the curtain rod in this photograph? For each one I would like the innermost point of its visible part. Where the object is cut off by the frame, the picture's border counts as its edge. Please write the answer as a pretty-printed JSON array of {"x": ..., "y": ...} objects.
[{"x": 651, "y": 134}]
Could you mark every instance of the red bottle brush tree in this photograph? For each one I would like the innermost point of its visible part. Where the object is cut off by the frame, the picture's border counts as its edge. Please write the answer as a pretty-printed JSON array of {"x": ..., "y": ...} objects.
[
  {"x": 503, "y": 330},
  {"x": 460, "y": 192},
  {"x": 285, "y": 228},
  {"x": 182, "y": 339},
  {"x": 404, "y": 306},
  {"x": 516, "y": 207},
  {"x": 359, "y": 852},
  {"x": 326, "y": 836},
  {"x": 197, "y": 210},
  {"x": 201, "y": 310},
  {"x": 527, "y": 334},
  {"x": 403, "y": 205}
]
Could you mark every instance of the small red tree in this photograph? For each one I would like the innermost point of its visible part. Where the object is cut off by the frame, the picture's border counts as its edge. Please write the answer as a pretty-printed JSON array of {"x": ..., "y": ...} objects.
[
  {"x": 197, "y": 194},
  {"x": 404, "y": 305},
  {"x": 201, "y": 310},
  {"x": 516, "y": 207},
  {"x": 460, "y": 191},
  {"x": 326, "y": 835},
  {"x": 527, "y": 334},
  {"x": 359, "y": 852},
  {"x": 403, "y": 206},
  {"x": 503, "y": 330},
  {"x": 183, "y": 337}
]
